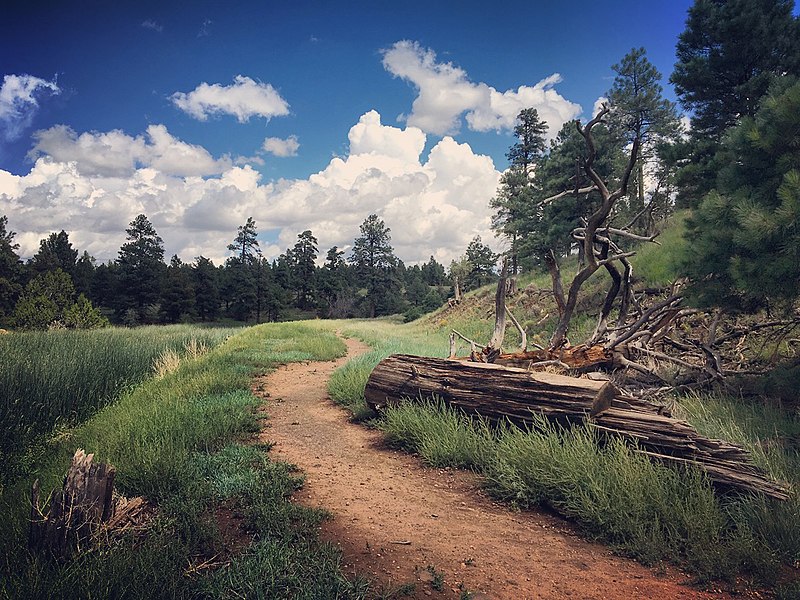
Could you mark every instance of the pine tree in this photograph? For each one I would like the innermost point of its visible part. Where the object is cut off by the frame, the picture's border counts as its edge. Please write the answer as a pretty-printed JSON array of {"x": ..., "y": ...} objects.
[
  {"x": 727, "y": 57},
  {"x": 55, "y": 252},
  {"x": 639, "y": 111},
  {"x": 513, "y": 201},
  {"x": 177, "y": 299},
  {"x": 305, "y": 258},
  {"x": 206, "y": 288},
  {"x": 375, "y": 262},
  {"x": 745, "y": 236},
  {"x": 10, "y": 271},
  {"x": 141, "y": 268},
  {"x": 245, "y": 245},
  {"x": 482, "y": 262}
]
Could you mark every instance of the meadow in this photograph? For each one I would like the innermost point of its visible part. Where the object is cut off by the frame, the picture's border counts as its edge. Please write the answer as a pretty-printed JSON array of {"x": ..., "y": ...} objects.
[
  {"x": 56, "y": 379},
  {"x": 181, "y": 440}
]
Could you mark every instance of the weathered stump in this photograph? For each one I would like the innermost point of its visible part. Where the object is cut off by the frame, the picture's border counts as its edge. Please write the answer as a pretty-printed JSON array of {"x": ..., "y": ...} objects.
[{"x": 75, "y": 511}]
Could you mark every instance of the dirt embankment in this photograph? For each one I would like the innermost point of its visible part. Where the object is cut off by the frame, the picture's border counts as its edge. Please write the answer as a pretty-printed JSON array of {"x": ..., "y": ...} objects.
[{"x": 399, "y": 523}]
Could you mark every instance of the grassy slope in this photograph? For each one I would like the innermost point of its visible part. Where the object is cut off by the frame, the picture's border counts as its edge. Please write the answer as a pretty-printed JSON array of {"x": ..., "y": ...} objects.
[{"x": 174, "y": 439}]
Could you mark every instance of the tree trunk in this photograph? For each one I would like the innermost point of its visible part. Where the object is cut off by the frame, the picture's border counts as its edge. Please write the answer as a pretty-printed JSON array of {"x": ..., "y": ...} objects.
[{"x": 501, "y": 393}]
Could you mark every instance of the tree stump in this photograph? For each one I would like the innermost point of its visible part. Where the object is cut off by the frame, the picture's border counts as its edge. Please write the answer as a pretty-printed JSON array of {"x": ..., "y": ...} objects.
[{"x": 76, "y": 510}]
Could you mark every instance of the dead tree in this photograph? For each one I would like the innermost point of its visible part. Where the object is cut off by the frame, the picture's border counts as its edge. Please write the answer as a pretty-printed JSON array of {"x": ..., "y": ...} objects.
[{"x": 597, "y": 249}]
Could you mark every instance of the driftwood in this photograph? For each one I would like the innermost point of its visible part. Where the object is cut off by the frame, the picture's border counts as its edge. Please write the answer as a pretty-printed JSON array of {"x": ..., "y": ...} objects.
[
  {"x": 83, "y": 509},
  {"x": 498, "y": 392}
]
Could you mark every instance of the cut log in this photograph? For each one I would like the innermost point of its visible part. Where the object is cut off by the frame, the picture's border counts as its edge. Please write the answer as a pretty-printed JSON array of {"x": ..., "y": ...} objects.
[{"x": 499, "y": 393}]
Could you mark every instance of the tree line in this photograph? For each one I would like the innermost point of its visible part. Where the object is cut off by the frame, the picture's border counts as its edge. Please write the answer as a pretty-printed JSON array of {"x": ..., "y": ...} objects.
[
  {"x": 735, "y": 172},
  {"x": 57, "y": 287}
]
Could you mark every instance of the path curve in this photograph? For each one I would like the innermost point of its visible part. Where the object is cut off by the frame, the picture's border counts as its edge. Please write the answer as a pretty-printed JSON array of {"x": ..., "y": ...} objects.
[{"x": 381, "y": 500}]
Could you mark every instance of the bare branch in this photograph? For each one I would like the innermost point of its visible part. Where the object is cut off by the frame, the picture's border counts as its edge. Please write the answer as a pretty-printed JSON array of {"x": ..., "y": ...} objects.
[{"x": 523, "y": 345}]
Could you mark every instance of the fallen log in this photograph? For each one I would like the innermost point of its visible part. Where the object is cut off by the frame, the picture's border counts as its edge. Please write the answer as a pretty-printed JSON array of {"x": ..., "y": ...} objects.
[{"x": 499, "y": 392}]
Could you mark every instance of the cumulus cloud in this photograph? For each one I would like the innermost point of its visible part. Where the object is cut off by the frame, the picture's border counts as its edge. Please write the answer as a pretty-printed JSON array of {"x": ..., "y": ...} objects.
[
  {"x": 244, "y": 98},
  {"x": 117, "y": 154},
  {"x": 19, "y": 104},
  {"x": 282, "y": 147},
  {"x": 446, "y": 94},
  {"x": 598, "y": 105},
  {"x": 94, "y": 184}
]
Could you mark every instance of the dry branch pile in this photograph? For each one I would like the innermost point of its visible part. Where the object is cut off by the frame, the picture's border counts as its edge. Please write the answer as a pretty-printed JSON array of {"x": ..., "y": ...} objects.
[{"x": 499, "y": 392}]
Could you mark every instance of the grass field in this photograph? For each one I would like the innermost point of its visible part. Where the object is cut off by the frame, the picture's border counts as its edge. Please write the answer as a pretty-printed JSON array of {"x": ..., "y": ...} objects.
[
  {"x": 56, "y": 379},
  {"x": 645, "y": 510},
  {"x": 177, "y": 439}
]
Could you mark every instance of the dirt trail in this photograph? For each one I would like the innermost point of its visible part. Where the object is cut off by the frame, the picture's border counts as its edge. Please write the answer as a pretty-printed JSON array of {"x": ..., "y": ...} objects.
[{"x": 459, "y": 539}]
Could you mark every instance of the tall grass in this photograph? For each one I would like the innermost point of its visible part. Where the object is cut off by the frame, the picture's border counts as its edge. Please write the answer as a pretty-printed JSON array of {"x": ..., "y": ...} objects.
[
  {"x": 54, "y": 378},
  {"x": 649, "y": 511},
  {"x": 171, "y": 440}
]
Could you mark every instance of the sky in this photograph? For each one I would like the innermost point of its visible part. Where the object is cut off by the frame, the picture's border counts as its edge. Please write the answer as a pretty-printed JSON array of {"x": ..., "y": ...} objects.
[{"x": 303, "y": 115}]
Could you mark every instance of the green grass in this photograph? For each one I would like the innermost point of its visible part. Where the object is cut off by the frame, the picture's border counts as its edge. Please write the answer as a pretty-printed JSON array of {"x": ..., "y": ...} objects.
[
  {"x": 651, "y": 512},
  {"x": 173, "y": 439},
  {"x": 56, "y": 379},
  {"x": 658, "y": 265}
]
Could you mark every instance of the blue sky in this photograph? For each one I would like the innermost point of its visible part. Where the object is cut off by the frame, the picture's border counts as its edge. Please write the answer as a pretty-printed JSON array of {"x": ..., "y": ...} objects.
[{"x": 166, "y": 108}]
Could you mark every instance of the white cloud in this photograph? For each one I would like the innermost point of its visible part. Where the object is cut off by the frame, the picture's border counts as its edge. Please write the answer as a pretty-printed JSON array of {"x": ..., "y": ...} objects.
[
  {"x": 243, "y": 99},
  {"x": 18, "y": 103},
  {"x": 150, "y": 24},
  {"x": 598, "y": 105},
  {"x": 117, "y": 154},
  {"x": 94, "y": 184},
  {"x": 281, "y": 147},
  {"x": 445, "y": 95}
]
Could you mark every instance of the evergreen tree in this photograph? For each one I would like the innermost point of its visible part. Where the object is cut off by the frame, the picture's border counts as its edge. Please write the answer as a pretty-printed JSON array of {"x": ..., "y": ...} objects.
[
  {"x": 206, "y": 288},
  {"x": 177, "y": 299},
  {"x": 640, "y": 112},
  {"x": 141, "y": 268},
  {"x": 82, "y": 315},
  {"x": 530, "y": 132},
  {"x": 727, "y": 57},
  {"x": 547, "y": 227},
  {"x": 55, "y": 252},
  {"x": 44, "y": 301},
  {"x": 515, "y": 195},
  {"x": 481, "y": 261},
  {"x": 10, "y": 271},
  {"x": 375, "y": 262},
  {"x": 745, "y": 236},
  {"x": 245, "y": 245},
  {"x": 105, "y": 282},
  {"x": 241, "y": 270},
  {"x": 305, "y": 257},
  {"x": 83, "y": 274},
  {"x": 433, "y": 272},
  {"x": 333, "y": 286}
]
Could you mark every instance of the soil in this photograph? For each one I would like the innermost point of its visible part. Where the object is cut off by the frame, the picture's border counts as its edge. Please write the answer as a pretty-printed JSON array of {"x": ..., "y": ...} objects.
[{"x": 399, "y": 523}]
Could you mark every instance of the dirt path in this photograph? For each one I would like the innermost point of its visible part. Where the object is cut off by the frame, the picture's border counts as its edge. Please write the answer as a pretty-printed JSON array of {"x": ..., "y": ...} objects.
[{"x": 398, "y": 522}]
